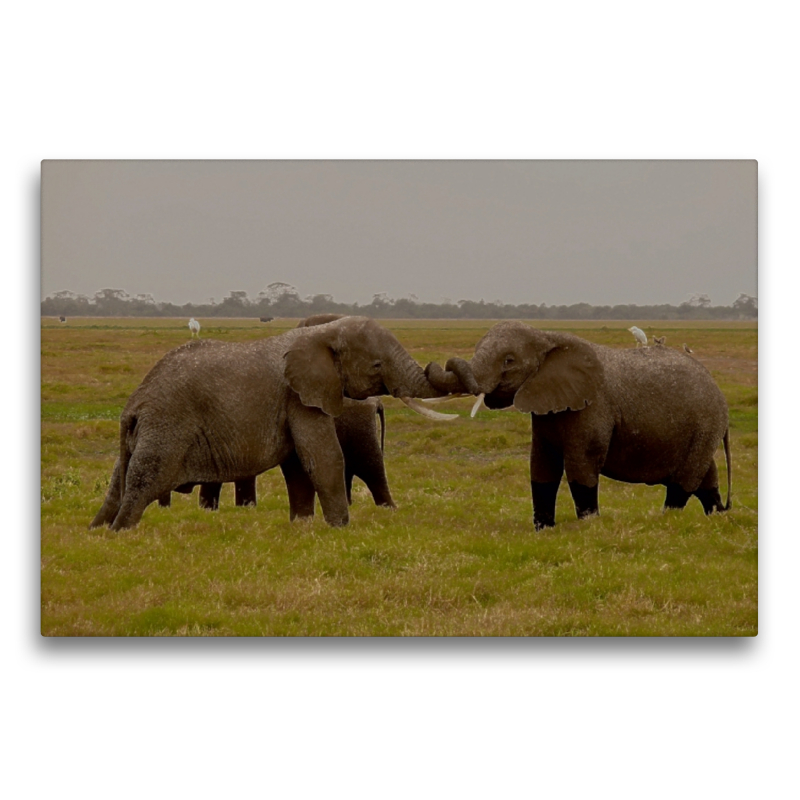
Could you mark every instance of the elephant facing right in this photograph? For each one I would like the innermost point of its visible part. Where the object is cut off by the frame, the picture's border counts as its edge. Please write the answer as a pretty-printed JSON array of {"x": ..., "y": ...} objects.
[{"x": 647, "y": 415}]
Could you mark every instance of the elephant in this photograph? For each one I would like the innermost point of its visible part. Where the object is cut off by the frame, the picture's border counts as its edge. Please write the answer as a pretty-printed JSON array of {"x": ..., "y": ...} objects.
[
  {"x": 649, "y": 415},
  {"x": 212, "y": 411},
  {"x": 318, "y": 319},
  {"x": 362, "y": 449}
]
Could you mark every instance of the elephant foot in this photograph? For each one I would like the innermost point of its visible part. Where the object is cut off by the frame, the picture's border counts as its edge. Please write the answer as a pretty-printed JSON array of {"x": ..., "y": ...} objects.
[
  {"x": 677, "y": 497},
  {"x": 585, "y": 499},
  {"x": 711, "y": 500},
  {"x": 544, "y": 503}
]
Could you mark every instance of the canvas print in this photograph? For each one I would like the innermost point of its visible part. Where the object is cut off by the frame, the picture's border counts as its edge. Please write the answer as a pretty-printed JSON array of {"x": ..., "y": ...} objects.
[{"x": 399, "y": 398}]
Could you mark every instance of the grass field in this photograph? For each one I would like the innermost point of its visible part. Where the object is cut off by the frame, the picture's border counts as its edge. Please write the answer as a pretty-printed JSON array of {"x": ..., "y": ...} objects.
[{"x": 458, "y": 557}]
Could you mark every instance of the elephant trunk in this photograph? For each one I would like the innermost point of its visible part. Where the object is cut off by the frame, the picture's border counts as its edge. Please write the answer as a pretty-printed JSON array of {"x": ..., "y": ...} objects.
[
  {"x": 463, "y": 371},
  {"x": 406, "y": 378}
]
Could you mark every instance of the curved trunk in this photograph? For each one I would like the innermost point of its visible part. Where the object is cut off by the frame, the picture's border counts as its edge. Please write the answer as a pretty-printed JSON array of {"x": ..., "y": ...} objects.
[
  {"x": 406, "y": 378},
  {"x": 463, "y": 371}
]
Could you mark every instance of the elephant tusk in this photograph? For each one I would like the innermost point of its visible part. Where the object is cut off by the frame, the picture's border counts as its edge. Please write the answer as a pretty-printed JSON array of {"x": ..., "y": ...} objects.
[
  {"x": 454, "y": 396},
  {"x": 420, "y": 408},
  {"x": 477, "y": 405}
]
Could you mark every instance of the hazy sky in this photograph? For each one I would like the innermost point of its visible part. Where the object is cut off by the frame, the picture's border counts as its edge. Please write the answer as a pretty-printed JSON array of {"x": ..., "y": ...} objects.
[{"x": 555, "y": 232}]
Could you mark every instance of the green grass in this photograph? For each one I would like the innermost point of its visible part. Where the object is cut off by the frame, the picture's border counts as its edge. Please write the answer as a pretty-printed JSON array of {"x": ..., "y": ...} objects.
[{"x": 458, "y": 557}]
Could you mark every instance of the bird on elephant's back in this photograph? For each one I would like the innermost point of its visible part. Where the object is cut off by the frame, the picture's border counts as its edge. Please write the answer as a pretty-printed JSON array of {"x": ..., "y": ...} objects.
[
  {"x": 647, "y": 415},
  {"x": 212, "y": 411}
]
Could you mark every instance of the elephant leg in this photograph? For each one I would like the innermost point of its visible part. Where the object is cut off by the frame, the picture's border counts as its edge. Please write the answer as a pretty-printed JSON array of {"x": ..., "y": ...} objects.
[
  {"x": 245, "y": 491},
  {"x": 544, "y": 495},
  {"x": 585, "y": 499},
  {"x": 209, "y": 495},
  {"x": 370, "y": 468},
  {"x": 165, "y": 501},
  {"x": 708, "y": 491},
  {"x": 547, "y": 468},
  {"x": 320, "y": 454},
  {"x": 677, "y": 497},
  {"x": 348, "y": 483},
  {"x": 145, "y": 482},
  {"x": 299, "y": 487},
  {"x": 108, "y": 511}
]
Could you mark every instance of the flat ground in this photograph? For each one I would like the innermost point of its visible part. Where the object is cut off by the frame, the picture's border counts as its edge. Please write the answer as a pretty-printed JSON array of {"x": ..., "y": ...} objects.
[{"x": 459, "y": 556}]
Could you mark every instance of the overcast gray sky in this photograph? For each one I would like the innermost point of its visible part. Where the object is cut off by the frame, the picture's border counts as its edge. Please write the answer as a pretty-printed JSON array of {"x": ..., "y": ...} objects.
[{"x": 555, "y": 232}]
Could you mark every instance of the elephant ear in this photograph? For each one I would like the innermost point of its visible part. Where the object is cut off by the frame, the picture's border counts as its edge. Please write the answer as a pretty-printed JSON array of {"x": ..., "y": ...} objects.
[
  {"x": 310, "y": 369},
  {"x": 569, "y": 378}
]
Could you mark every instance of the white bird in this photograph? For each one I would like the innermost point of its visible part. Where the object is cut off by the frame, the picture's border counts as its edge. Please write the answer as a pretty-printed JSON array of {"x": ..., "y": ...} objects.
[
  {"x": 639, "y": 335},
  {"x": 194, "y": 327}
]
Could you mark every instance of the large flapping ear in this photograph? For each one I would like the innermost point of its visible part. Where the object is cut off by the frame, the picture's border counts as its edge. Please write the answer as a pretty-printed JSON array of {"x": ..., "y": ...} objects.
[
  {"x": 310, "y": 369},
  {"x": 569, "y": 377}
]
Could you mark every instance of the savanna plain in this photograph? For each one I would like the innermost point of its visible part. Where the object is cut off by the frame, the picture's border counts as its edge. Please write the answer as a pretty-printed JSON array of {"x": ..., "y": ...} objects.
[{"x": 458, "y": 557}]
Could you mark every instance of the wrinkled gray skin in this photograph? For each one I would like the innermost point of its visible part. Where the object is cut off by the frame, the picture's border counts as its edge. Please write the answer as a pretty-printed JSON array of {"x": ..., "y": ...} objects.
[
  {"x": 648, "y": 415},
  {"x": 363, "y": 457},
  {"x": 213, "y": 411},
  {"x": 362, "y": 448}
]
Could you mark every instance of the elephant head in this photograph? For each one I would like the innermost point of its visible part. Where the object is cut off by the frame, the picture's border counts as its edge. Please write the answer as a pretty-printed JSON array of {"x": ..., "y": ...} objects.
[
  {"x": 354, "y": 357},
  {"x": 536, "y": 371}
]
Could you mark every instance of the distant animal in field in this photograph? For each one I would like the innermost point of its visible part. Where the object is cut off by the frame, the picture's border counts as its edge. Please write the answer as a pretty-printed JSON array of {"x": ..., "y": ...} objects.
[
  {"x": 194, "y": 327},
  {"x": 639, "y": 335},
  {"x": 62, "y": 319},
  {"x": 265, "y": 319},
  {"x": 659, "y": 339},
  {"x": 687, "y": 348}
]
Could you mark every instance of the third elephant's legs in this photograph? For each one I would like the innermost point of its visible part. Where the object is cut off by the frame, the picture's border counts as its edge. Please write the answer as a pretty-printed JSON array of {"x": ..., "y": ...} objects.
[{"x": 299, "y": 487}]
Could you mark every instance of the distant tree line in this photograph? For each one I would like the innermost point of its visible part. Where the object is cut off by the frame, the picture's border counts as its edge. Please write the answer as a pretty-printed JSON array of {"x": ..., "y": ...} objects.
[{"x": 282, "y": 300}]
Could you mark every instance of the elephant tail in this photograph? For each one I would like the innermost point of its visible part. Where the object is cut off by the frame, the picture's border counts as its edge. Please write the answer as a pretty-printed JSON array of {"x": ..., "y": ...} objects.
[{"x": 726, "y": 442}]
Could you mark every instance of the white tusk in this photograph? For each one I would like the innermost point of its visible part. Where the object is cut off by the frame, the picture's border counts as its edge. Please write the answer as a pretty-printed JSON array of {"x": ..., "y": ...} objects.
[
  {"x": 433, "y": 400},
  {"x": 477, "y": 405},
  {"x": 420, "y": 408}
]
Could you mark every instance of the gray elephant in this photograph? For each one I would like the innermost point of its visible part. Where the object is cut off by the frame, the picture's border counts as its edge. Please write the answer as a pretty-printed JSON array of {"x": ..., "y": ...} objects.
[
  {"x": 648, "y": 415},
  {"x": 213, "y": 411},
  {"x": 362, "y": 448}
]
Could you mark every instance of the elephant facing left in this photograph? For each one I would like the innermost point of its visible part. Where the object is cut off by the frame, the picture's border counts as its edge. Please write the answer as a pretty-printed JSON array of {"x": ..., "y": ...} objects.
[{"x": 213, "y": 411}]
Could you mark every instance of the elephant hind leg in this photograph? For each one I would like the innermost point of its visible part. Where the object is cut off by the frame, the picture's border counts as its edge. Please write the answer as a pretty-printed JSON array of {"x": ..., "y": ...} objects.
[
  {"x": 708, "y": 491},
  {"x": 144, "y": 484},
  {"x": 677, "y": 497},
  {"x": 108, "y": 511},
  {"x": 299, "y": 487}
]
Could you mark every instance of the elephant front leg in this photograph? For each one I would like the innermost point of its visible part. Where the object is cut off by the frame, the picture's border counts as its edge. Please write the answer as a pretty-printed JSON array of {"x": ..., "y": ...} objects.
[
  {"x": 321, "y": 457},
  {"x": 209, "y": 495},
  {"x": 547, "y": 467},
  {"x": 585, "y": 499}
]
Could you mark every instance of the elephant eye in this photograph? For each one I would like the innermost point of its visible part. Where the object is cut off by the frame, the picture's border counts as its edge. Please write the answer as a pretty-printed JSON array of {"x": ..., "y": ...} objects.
[
  {"x": 508, "y": 361},
  {"x": 376, "y": 366}
]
